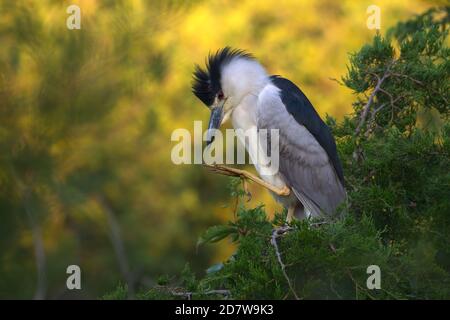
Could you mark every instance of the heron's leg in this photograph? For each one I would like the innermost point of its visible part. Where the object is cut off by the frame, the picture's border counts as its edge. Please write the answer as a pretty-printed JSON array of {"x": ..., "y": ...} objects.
[
  {"x": 290, "y": 213},
  {"x": 228, "y": 171}
]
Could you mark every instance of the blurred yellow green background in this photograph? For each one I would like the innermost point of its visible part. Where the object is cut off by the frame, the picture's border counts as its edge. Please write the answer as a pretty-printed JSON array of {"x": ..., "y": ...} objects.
[{"x": 86, "y": 118}]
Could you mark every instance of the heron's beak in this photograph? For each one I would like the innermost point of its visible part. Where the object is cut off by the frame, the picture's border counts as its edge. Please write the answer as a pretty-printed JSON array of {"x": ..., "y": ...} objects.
[{"x": 214, "y": 121}]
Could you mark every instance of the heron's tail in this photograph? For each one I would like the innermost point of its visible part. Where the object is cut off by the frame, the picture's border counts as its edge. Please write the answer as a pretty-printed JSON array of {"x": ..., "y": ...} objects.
[{"x": 308, "y": 207}]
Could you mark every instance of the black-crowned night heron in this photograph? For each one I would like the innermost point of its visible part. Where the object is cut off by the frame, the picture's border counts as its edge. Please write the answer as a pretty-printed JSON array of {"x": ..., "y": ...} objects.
[{"x": 310, "y": 181}]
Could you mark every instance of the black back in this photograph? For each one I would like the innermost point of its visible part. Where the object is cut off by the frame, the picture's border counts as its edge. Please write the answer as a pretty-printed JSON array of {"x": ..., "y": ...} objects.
[{"x": 298, "y": 105}]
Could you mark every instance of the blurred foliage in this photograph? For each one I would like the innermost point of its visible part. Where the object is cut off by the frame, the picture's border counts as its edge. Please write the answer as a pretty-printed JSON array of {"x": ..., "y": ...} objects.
[
  {"x": 398, "y": 212},
  {"x": 86, "y": 117}
]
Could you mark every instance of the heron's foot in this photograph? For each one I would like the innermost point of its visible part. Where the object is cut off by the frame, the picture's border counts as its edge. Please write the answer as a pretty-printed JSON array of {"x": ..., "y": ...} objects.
[
  {"x": 220, "y": 169},
  {"x": 228, "y": 171}
]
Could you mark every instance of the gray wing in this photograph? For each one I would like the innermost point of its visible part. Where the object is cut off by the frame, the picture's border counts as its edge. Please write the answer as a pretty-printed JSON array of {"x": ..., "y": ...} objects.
[
  {"x": 304, "y": 163},
  {"x": 298, "y": 105}
]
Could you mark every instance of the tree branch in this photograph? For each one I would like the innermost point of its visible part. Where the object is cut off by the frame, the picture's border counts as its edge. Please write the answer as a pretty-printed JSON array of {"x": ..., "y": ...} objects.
[
  {"x": 273, "y": 241},
  {"x": 370, "y": 100},
  {"x": 118, "y": 244},
  {"x": 387, "y": 73},
  {"x": 420, "y": 83},
  {"x": 350, "y": 275},
  {"x": 188, "y": 294},
  {"x": 39, "y": 251}
]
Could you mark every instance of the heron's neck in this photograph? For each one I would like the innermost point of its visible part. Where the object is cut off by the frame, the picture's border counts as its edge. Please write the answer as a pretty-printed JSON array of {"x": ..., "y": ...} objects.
[
  {"x": 244, "y": 119},
  {"x": 244, "y": 115}
]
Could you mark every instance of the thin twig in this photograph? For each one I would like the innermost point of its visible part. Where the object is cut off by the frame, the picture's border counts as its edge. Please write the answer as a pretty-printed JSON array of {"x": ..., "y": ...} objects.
[
  {"x": 189, "y": 294},
  {"x": 39, "y": 250},
  {"x": 36, "y": 232},
  {"x": 118, "y": 244},
  {"x": 387, "y": 73},
  {"x": 370, "y": 100},
  {"x": 350, "y": 275},
  {"x": 375, "y": 111},
  {"x": 319, "y": 223},
  {"x": 273, "y": 241},
  {"x": 420, "y": 83},
  {"x": 396, "y": 74}
]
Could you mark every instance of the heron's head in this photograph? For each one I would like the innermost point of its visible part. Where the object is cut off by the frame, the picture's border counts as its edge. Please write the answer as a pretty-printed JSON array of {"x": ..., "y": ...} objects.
[{"x": 229, "y": 76}]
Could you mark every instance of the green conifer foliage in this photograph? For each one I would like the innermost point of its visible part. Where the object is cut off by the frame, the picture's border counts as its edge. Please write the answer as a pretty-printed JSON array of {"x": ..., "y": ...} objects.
[{"x": 398, "y": 183}]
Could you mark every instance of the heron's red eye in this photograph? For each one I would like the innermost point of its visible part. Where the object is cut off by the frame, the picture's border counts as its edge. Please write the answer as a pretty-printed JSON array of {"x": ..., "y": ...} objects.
[{"x": 220, "y": 95}]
